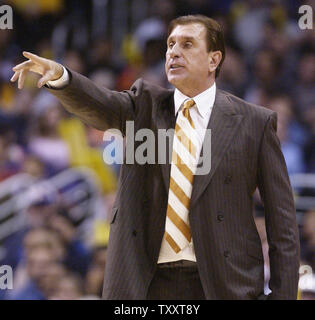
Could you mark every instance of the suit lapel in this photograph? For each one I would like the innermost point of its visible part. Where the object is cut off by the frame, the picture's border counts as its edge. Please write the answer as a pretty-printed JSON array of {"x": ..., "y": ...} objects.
[
  {"x": 165, "y": 119},
  {"x": 224, "y": 122}
]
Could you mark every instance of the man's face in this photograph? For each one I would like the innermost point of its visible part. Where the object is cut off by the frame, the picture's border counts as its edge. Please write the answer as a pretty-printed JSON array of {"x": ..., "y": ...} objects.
[{"x": 187, "y": 59}]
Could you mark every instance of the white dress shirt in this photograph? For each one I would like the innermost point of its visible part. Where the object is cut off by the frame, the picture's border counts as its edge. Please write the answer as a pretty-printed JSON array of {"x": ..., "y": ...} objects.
[
  {"x": 200, "y": 114},
  {"x": 62, "y": 81}
]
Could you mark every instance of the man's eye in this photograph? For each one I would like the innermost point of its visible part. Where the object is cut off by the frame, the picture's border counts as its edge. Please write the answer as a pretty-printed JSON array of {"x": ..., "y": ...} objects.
[
  {"x": 187, "y": 44},
  {"x": 171, "y": 45}
]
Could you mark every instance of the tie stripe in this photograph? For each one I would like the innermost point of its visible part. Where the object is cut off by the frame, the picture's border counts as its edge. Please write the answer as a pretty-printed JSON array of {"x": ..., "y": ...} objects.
[
  {"x": 179, "y": 193},
  {"x": 177, "y": 205},
  {"x": 182, "y": 181},
  {"x": 185, "y": 140},
  {"x": 179, "y": 223},
  {"x": 184, "y": 169},
  {"x": 177, "y": 229},
  {"x": 172, "y": 242},
  {"x": 182, "y": 155},
  {"x": 176, "y": 235}
]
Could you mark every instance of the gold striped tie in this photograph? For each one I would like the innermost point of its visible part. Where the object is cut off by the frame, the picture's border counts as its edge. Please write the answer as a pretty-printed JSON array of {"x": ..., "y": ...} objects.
[{"x": 183, "y": 167}]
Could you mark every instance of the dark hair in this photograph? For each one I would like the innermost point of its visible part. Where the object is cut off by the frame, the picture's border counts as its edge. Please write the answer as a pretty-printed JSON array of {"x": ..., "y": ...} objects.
[{"x": 214, "y": 37}]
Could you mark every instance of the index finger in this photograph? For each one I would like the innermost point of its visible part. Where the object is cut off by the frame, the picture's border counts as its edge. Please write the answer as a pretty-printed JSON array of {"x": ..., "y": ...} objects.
[{"x": 33, "y": 57}]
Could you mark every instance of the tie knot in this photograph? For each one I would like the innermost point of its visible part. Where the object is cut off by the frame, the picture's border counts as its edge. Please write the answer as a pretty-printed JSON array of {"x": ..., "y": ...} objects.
[{"x": 188, "y": 104}]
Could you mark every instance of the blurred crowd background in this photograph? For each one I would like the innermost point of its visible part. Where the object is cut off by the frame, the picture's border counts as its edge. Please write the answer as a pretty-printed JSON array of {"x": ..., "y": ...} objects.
[{"x": 56, "y": 192}]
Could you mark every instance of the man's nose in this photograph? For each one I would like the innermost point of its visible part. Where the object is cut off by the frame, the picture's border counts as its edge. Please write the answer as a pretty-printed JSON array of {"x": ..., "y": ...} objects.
[{"x": 174, "y": 51}]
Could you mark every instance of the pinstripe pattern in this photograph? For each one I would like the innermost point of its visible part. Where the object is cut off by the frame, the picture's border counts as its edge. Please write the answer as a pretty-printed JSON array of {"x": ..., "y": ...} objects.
[
  {"x": 176, "y": 284},
  {"x": 245, "y": 154}
]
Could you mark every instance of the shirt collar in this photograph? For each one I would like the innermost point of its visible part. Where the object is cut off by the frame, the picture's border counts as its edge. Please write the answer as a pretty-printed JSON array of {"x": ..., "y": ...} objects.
[{"x": 203, "y": 100}]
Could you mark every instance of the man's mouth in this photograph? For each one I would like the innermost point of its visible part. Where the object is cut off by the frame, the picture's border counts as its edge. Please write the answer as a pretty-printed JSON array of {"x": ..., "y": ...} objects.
[{"x": 175, "y": 66}]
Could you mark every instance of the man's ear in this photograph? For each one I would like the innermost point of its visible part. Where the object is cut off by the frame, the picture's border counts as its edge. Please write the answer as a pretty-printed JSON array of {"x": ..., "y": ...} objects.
[{"x": 214, "y": 60}]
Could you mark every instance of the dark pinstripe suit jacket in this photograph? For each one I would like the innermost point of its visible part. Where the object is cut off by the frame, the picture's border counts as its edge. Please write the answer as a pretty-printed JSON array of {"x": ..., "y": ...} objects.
[{"x": 245, "y": 154}]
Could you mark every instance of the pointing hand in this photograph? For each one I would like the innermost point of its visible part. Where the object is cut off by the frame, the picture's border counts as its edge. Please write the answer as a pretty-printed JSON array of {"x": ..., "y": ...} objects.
[{"x": 48, "y": 69}]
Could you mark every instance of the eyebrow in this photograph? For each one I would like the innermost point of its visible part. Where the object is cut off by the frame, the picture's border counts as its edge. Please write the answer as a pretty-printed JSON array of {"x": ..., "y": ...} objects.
[{"x": 187, "y": 38}]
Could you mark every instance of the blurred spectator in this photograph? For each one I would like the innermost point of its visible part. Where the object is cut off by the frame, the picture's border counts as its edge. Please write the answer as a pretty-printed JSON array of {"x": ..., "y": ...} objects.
[
  {"x": 304, "y": 89},
  {"x": 153, "y": 60},
  {"x": 233, "y": 76},
  {"x": 267, "y": 67},
  {"x": 33, "y": 166},
  {"x": 74, "y": 61},
  {"x": 250, "y": 17},
  {"x": 49, "y": 226},
  {"x": 9, "y": 158},
  {"x": 46, "y": 142},
  {"x": 38, "y": 262},
  {"x": 77, "y": 257},
  {"x": 309, "y": 118},
  {"x": 293, "y": 152},
  {"x": 104, "y": 78},
  {"x": 100, "y": 56},
  {"x": 67, "y": 287},
  {"x": 95, "y": 275},
  {"x": 155, "y": 27}
]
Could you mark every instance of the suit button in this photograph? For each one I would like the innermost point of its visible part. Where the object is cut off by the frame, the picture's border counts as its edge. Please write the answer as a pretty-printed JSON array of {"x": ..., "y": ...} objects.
[
  {"x": 226, "y": 253},
  {"x": 134, "y": 233},
  {"x": 228, "y": 179},
  {"x": 220, "y": 217}
]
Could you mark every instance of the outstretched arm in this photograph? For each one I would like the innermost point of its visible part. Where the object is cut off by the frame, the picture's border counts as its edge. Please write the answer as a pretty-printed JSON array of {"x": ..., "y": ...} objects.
[{"x": 97, "y": 106}]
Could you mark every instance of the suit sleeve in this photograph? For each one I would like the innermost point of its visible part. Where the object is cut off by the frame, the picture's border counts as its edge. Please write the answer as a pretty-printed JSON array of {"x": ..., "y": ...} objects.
[
  {"x": 280, "y": 214},
  {"x": 97, "y": 106}
]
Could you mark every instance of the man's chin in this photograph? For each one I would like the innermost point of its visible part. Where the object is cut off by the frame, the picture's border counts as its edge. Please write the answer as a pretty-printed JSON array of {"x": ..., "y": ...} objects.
[{"x": 175, "y": 80}]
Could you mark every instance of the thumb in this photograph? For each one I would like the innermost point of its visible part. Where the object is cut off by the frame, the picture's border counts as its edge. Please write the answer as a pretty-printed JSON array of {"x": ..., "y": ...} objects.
[{"x": 48, "y": 76}]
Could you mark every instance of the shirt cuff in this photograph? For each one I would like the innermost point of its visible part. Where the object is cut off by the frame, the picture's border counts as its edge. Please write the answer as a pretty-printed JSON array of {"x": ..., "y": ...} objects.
[{"x": 61, "y": 82}]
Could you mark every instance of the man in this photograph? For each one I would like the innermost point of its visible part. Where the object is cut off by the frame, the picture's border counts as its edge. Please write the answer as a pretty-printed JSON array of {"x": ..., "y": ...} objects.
[{"x": 177, "y": 234}]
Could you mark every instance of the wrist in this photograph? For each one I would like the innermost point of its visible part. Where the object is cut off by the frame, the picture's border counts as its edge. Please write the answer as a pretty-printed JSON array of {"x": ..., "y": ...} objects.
[
  {"x": 59, "y": 72},
  {"x": 61, "y": 82}
]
